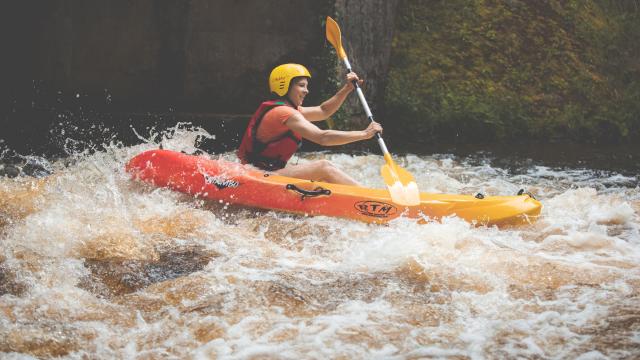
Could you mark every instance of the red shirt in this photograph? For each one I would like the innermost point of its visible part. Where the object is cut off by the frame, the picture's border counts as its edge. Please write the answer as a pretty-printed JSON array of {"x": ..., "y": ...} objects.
[{"x": 273, "y": 125}]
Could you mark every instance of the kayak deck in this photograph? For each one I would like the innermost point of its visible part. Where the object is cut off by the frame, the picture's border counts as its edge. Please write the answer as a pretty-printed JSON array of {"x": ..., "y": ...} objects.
[{"x": 241, "y": 185}]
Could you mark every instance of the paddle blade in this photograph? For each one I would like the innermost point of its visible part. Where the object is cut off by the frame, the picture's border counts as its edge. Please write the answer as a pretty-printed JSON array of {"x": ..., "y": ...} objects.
[
  {"x": 335, "y": 37},
  {"x": 402, "y": 188}
]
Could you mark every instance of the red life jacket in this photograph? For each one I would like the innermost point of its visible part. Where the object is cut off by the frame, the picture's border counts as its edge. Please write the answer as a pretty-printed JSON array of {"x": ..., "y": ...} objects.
[{"x": 274, "y": 154}]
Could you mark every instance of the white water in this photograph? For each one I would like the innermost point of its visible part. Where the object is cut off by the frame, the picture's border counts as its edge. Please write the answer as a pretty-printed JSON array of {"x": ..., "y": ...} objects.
[{"x": 93, "y": 264}]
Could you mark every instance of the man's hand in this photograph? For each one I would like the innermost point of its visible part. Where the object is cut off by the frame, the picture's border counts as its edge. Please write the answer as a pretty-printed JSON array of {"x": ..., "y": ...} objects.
[
  {"x": 351, "y": 77},
  {"x": 372, "y": 129}
]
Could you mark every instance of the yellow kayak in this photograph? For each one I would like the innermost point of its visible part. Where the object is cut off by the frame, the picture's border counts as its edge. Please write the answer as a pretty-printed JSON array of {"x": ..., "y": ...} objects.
[{"x": 237, "y": 184}]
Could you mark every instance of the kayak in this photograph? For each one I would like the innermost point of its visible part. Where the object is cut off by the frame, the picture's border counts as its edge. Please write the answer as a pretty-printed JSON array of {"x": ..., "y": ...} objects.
[{"x": 244, "y": 185}]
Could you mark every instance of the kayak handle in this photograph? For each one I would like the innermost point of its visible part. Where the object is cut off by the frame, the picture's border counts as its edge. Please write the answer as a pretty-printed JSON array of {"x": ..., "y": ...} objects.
[
  {"x": 309, "y": 193},
  {"x": 522, "y": 192}
]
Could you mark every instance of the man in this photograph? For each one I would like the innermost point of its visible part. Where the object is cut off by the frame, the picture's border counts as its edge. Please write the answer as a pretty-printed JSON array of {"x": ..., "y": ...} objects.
[{"x": 278, "y": 126}]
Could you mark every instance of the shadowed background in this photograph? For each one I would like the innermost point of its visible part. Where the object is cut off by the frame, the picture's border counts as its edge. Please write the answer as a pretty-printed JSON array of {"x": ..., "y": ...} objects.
[{"x": 437, "y": 74}]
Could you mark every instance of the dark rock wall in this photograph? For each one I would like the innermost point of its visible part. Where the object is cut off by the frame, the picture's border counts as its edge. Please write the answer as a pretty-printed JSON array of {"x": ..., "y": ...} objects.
[
  {"x": 196, "y": 55},
  {"x": 231, "y": 46},
  {"x": 181, "y": 56},
  {"x": 367, "y": 29}
]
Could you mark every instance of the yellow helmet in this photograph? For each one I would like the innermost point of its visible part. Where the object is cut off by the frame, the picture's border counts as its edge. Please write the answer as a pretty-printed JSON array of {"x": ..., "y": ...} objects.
[{"x": 281, "y": 77}]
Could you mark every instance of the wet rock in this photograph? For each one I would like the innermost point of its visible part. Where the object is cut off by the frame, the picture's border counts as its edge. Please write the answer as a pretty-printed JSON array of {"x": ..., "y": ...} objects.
[
  {"x": 191, "y": 293},
  {"x": 9, "y": 284},
  {"x": 26, "y": 166},
  {"x": 9, "y": 171},
  {"x": 36, "y": 169},
  {"x": 42, "y": 339},
  {"x": 293, "y": 300},
  {"x": 118, "y": 277}
]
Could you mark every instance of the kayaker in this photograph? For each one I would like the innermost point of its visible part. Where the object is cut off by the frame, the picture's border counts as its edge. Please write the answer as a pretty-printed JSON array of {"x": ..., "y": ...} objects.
[{"x": 277, "y": 128}]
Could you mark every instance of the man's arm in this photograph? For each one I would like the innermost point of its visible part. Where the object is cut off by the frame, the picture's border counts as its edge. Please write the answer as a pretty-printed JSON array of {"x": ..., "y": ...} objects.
[
  {"x": 307, "y": 130},
  {"x": 329, "y": 107}
]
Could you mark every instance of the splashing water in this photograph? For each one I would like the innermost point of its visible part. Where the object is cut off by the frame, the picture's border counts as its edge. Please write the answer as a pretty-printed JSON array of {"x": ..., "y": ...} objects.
[{"x": 94, "y": 264}]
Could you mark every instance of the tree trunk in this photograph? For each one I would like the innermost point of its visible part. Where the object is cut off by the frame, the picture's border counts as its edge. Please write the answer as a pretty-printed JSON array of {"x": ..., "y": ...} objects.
[{"x": 367, "y": 30}]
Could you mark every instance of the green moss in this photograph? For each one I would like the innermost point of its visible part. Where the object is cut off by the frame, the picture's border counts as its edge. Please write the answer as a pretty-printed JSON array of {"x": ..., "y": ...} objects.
[{"x": 476, "y": 70}]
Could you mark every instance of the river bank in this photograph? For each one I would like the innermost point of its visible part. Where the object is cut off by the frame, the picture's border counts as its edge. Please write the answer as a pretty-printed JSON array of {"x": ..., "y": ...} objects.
[{"x": 507, "y": 70}]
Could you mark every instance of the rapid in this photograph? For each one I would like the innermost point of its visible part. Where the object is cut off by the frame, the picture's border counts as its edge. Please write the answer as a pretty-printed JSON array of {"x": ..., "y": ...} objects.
[{"x": 95, "y": 265}]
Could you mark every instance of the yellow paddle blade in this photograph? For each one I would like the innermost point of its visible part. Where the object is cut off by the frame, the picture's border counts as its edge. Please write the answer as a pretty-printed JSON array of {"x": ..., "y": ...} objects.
[
  {"x": 335, "y": 38},
  {"x": 402, "y": 188},
  {"x": 396, "y": 172}
]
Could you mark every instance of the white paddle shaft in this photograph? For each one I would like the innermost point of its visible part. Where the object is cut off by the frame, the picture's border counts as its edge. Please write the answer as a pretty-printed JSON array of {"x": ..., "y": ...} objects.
[{"x": 365, "y": 105}]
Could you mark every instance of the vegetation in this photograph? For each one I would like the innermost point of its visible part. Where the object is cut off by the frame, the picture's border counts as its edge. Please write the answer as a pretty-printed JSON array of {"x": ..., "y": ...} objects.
[{"x": 482, "y": 70}]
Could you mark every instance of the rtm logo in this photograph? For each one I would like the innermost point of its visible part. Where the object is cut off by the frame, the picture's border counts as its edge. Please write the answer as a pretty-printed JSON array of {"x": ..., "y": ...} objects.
[
  {"x": 375, "y": 208},
  {"x": 221, "y": 182}
]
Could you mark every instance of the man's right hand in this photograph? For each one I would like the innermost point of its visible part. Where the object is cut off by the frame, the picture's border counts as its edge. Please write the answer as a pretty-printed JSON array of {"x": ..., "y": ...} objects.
[{"x": 372, "y": 129}]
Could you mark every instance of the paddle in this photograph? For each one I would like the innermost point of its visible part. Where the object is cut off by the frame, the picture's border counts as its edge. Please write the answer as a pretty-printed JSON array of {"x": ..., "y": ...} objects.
[{"x": 402, "y": 188}]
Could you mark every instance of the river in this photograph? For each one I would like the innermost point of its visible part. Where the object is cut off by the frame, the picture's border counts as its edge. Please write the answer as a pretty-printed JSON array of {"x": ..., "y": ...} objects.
[{"x": 95, "y": 265}]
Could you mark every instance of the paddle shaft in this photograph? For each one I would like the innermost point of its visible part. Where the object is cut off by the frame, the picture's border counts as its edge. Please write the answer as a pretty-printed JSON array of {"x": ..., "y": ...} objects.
[
  {"x": 402, "y": 187},
  {"x": 367, "y": 111}
]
